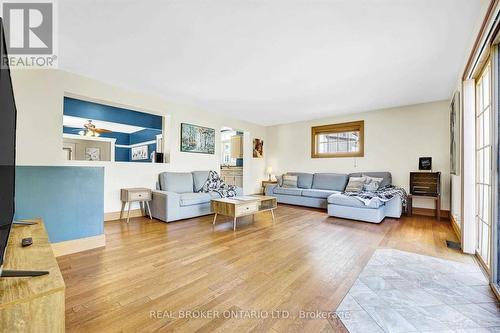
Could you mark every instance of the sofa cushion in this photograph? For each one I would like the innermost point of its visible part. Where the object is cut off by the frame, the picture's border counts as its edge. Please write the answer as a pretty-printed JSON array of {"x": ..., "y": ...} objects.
[
  {"x": 344, "y": 200},
  {"x": 329, "y": 181},
  {"x": 189, "y": 199},
  {"x": 179, "y": 182},
  {"x": 289, "y": 181},
  {"x": 372, "y": 183},
  {"x": 305, "y": 180},
  {"x": 288, "y": 191},
  {"x": 199, "y": 179},
  {"x": 355, "y": 184},
  {"x": 315, "y": 193},
  {"x": 387, "y": 177}
]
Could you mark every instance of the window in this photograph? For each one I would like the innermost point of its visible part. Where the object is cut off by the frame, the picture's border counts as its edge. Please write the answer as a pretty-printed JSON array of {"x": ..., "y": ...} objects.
[
  {"x": 484, "y": 146},
  {"x": 338, "y": 140}
]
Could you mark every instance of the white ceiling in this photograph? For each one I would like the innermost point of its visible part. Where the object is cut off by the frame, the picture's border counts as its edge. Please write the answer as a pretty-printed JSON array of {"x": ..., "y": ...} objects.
[{"x": 273, "y": 61}]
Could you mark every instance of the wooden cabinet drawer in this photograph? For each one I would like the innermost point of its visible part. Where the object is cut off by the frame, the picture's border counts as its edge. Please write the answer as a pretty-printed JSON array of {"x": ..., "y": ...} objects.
[
  {"x": 232, "y": 172},
  {"x": 135, "y": 195},
  {"x": 248, "y": 208},
  {"x": 138, "y": 196}
]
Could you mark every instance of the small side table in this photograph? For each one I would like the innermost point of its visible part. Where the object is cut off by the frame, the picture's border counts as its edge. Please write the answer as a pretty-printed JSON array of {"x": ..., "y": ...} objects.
[
  {"x": 267, "y": 182},
  {"x": 409, "y": 204},
  {"x": 136, "y": 194}
]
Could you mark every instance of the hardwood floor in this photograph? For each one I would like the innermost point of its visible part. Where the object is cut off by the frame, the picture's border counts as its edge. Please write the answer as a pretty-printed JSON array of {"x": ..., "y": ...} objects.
[{"x": 306, "y": 261}]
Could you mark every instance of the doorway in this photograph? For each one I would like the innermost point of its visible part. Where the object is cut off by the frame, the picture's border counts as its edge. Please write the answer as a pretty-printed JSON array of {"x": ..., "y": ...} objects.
[{"x": 231, "y": 163}]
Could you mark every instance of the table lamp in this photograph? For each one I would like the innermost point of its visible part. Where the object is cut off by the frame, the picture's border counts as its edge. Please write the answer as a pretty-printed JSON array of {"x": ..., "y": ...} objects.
[{"x": 269, "y": 170}]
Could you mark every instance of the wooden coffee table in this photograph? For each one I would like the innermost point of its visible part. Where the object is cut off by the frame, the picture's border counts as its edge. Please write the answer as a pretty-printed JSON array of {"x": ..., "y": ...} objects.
[{"x": 242, "y": 206}]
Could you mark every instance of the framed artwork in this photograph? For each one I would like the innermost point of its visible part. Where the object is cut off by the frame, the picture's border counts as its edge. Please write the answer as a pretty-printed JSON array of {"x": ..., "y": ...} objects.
[
  {"x": 140, "y": 153},
  {"x": 455, "y": 134},
  {"x": 197, "y": 139},
  {"x": 258, "y": 148},
  {"x": 92, "y": 154},
  {"x": 67, "y": 153}
]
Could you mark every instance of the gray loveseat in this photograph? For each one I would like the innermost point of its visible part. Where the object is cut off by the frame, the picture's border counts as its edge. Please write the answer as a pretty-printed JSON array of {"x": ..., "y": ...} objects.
[
  {"x": 177, "y": 196},
  {"x": 324, "y": 190}
]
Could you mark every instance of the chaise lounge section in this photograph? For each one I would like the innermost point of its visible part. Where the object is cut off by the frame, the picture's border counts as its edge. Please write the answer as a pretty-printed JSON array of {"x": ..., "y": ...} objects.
[{"x": 324, "y": 190}]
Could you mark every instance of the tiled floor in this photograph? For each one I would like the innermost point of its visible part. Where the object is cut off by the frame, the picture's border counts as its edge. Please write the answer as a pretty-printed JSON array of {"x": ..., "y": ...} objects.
[{"x": 405, "y": 292}]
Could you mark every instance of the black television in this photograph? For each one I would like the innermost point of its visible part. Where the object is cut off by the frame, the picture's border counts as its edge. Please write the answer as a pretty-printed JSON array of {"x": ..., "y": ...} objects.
[
  {"x": 7, "y": 148},
  {"x": 8, "y": 115}
]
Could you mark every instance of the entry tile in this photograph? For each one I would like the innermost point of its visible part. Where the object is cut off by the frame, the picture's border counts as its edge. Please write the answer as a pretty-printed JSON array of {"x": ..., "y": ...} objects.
[
  {"x": 405, "y": 292},
  {"x": 390, "y": 320}
]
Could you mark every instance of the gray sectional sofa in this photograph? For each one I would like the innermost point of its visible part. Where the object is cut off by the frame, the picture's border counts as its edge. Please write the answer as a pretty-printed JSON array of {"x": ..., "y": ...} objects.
[
  {"x": 177, "y": 196},
  {"x": 324, "y": 190}
]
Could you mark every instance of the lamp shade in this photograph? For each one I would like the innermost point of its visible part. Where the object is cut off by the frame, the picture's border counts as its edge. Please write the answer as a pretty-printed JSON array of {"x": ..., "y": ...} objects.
[{"x": 269, "y": 170}]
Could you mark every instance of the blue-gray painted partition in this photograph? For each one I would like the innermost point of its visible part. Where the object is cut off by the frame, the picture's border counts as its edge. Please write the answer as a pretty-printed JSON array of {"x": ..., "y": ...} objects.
[{"x": 69, "y": 199}]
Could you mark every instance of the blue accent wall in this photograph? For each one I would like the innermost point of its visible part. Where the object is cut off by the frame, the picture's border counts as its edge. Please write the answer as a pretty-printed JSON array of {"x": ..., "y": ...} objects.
[
  {"x": 83, "y": 109},
  {"x": 144, "y": 135},
  {"x": 152, "y": 125},
  {"x": 69, "y": 199},
  {"x": 122, "y": 154}
]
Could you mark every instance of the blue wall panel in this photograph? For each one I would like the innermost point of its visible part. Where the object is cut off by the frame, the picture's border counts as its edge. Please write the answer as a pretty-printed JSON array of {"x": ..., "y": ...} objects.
[
  {"x": 122, "y": 154},
  {"x": 121, "y": 138},
  {"x": 83, "y": 109},
  {"x": 144, "y": 135},
  {"x": 69, "y": 199}
]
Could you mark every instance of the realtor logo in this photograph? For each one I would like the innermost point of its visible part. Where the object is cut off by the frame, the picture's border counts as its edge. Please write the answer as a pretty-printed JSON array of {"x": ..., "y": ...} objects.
[
  {"x": 29, "y": 32},
  {"x": 28, "y": 27}
]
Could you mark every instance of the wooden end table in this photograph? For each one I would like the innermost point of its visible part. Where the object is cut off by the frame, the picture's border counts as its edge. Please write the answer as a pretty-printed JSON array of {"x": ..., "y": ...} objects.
[
  {"x": 267, "y": 182},
  {"x": 136, "y": 194},
  {"x": 242, "y": 206},
  {"x": 409, "y": 204}
]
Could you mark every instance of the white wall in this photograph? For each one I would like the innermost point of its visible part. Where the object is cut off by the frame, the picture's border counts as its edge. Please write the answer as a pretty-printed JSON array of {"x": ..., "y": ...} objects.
[
  {"x": 394, "y": 140},
  {"x": 456, "y": 180},
  {"x": 39, "y": 97}
]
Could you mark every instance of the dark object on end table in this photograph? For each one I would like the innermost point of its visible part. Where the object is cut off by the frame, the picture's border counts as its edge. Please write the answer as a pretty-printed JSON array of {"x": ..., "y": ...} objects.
[
  {"x": 425, "y": 163},
  {"x": 26, "y": 241}
]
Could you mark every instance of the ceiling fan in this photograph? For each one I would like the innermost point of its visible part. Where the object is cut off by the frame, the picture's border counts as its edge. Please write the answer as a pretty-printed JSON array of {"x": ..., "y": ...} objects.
[{"x": 89, "y": 129}]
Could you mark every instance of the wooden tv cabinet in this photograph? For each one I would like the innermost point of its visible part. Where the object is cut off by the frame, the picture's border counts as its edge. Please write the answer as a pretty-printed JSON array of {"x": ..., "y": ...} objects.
[{"x": 32, "y": 304}]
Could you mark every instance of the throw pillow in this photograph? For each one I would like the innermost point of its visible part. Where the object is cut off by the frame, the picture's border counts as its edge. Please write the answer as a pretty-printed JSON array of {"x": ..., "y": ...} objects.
[
  {"x": 279, "y": 179},
  {"x": 355, "y": 184},
  {"x": 289, "y": 181},
  {"x": 372, "y": 183}
]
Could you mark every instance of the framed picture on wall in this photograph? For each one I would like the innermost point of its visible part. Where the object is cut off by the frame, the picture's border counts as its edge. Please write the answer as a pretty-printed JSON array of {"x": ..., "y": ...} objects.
[
  {"x": 455, "y": 134},
  {"x": 197, "y": 139},
  {"x": 140, "y": 153},
  {"x": 258, "y": 148},
  {"x": 92, "y": 154}
]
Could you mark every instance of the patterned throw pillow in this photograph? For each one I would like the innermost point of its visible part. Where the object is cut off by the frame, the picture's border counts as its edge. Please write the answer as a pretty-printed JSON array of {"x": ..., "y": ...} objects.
[
  {"x": 372, "y": 183},
  {"x": 289, "y": 181},
  {"x": 355, "y": 184}
]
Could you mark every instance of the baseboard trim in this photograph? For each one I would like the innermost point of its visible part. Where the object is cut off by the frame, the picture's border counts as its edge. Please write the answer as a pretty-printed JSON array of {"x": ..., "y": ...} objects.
[
  {"x": 445, "y": 214},
  {"x": 494, "y": 287},
  {"x": 78, "y": 245},
  {"x": 455, "y": 227},
  {"x": 112, "y": 216}
]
